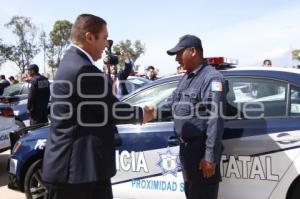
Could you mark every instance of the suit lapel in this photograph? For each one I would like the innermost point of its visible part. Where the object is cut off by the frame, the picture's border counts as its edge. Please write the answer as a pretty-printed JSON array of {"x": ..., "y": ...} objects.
[{"x": 80, "y": 53}]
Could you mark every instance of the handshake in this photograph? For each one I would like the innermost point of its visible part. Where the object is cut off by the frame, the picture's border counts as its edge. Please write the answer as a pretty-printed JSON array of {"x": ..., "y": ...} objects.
[{"x": 150, "y": 113}]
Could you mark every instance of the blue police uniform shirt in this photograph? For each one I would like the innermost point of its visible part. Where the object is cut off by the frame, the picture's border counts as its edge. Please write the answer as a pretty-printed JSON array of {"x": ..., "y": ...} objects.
[
  {"x": 38, "y": 97},
  {"x": 196, "y": 104}
]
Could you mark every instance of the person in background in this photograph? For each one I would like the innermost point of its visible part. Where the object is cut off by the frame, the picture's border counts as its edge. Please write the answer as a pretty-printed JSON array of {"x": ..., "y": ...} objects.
[
  {"x": 13, "y": 80},
  {"x": 3, "y": 83},
  {"x": 267, "y": 63},
  {"x": 119, "y": 76},
  {"x": 38, "y": 97},
  {"x": 151, "y": 73}
]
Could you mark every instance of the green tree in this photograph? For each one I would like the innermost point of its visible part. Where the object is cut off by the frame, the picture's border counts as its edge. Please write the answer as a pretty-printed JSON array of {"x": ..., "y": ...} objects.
[
  {"x": 132, "y": 49},
  {"x": 26, "y": 47},
  {"x": 296, "y": 54},
  {"x": 59, "y": 41}
]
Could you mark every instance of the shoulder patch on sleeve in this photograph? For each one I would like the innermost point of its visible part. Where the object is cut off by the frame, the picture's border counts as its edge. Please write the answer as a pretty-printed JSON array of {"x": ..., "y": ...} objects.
[
  {"x": 216, "y": 86},
  {"x": 43, "y": 84}
]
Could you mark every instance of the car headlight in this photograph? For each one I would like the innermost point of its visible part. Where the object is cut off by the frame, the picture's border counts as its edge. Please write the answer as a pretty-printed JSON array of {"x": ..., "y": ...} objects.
[{"x": 16, "y": 147}]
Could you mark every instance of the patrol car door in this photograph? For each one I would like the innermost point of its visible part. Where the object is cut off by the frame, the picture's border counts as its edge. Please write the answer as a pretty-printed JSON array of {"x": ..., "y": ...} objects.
[
  {"x": 20, "y": 108},
  {"x": 146, "y": 167},
  {"x": 257, "y": 150}
]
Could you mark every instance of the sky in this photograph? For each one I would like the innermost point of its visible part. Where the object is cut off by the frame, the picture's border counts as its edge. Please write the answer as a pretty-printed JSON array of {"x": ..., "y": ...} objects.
[{"x": 249, "y": 30}]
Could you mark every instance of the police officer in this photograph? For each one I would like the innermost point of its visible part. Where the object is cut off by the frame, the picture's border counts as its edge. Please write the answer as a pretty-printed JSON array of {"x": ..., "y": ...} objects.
[
  {"x": 38, "y": 98},
  {"x": 196, "y": 104}
]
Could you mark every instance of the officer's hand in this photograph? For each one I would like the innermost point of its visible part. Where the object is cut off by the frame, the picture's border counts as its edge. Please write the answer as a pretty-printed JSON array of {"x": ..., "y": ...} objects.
[
  {"x": 208, "y": 168},
  {"x": 149, "y": 113}
]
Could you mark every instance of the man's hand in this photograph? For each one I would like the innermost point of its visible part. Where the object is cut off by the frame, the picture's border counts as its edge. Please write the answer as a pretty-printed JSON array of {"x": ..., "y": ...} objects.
[
  {"x": 123, "y": 55},
  {"x": 149, "y": 113},
  {"x": 208, "y": 168}
]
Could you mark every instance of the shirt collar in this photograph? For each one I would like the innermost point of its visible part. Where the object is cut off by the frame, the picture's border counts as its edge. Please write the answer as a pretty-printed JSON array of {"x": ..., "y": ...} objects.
[
  {"x": 87, "y": 54},
  {"x": 196, "y": 71}
]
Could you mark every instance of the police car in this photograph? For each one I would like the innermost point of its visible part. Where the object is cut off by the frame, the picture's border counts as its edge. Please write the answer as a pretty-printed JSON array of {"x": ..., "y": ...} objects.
[
  {"x": 7, "y": 125},
  {"x": 15, "y": 96},
  {"x": 261, "y": 158}
]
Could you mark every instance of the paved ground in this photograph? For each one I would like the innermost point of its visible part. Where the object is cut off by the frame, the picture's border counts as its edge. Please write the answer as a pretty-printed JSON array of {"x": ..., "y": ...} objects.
[{"x": 6, "y": 193}]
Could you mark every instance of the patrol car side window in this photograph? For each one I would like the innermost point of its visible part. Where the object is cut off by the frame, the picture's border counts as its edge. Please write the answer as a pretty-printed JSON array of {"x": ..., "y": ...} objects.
[
  {"x": 254, "y": 98},
  {"x": 295, "y": 101},
  {"x": 12, "y": 90},
  {"x": 153, "y": 96}
]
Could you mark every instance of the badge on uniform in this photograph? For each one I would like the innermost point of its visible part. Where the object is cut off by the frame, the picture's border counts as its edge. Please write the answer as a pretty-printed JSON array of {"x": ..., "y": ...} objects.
[{"x": 216, "y": 86}]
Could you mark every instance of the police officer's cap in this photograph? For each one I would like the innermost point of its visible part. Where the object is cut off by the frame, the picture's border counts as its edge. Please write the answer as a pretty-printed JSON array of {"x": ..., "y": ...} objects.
[
  {"x": 34, "y": 67},
  {"x": 185, "y": 41}
]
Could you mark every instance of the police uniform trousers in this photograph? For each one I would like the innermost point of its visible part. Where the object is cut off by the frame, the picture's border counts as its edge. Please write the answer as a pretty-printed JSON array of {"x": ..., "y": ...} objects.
[
  {"x": 33, "y": 121},
  {"x": 93, "y": 190},
  {"x": 192, "y": 150},
  {"x": 39, "y": 116}
]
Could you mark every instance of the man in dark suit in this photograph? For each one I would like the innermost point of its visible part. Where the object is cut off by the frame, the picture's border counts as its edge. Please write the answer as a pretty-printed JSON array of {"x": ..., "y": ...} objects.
[{"x": 79, "y": 157}]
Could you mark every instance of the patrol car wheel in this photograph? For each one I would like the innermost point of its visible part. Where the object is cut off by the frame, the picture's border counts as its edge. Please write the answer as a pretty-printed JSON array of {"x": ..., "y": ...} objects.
[
  {"x": 295, "y": 194},
  {"x": 34, "y": 188}
]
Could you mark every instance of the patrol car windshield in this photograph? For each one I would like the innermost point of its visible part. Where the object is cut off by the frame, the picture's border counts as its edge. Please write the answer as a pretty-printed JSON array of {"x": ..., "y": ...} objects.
[{"x": 154, "y": 95}]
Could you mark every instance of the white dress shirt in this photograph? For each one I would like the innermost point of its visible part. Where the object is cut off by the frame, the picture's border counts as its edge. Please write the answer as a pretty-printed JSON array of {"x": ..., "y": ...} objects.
[{"x": 86, "y": 53}]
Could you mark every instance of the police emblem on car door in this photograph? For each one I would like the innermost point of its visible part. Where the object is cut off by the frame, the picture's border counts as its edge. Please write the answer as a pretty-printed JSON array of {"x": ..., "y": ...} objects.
[{"x": 147, "y": 166}]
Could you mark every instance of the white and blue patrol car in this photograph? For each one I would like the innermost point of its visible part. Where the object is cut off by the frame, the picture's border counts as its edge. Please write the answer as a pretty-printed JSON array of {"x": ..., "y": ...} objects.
[
  {"x": 15, "y": 96},
  {"x": 261, "y": 159},
  {"x": 7, "y": 125}
]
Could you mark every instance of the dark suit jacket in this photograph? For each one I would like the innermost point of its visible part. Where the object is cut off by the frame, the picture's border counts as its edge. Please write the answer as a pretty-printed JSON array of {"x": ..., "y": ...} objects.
[{"x": 75, "y": 152}]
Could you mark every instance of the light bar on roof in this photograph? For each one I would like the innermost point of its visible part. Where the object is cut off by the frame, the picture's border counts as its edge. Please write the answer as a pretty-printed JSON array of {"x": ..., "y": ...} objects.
[{"x": 221, "y": 61}]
